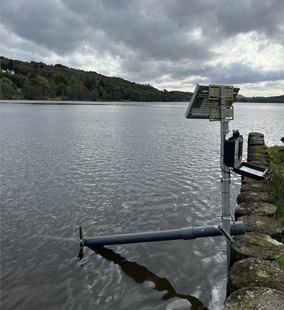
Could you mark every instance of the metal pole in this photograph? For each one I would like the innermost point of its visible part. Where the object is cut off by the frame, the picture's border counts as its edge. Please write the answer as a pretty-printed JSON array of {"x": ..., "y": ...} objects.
[{"x": 226, "y": 212}]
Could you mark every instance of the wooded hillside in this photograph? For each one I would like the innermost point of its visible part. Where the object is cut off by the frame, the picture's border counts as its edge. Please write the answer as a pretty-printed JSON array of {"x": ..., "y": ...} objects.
[
  {"x": 273, "y": 99},
  {"x": 38, "y": 81}
]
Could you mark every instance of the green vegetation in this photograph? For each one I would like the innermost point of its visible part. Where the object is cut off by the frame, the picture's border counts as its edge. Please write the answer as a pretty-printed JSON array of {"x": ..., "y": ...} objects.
[
  {"x": 38, "y": 81},
  {"x": 256, "y": 242},
  {"x": 254, "y": 194},
  {"x": 280, "y": 261},
  {"x": 276, "y": 155},
  {"x": 262, "y": 274},
  {"x": 259, "y": 223},
  {"x": 256, "y": 186}
]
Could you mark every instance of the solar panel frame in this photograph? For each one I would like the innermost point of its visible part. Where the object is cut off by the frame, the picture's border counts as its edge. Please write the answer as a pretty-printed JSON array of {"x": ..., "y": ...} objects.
[{"x": 200, "y": 103}]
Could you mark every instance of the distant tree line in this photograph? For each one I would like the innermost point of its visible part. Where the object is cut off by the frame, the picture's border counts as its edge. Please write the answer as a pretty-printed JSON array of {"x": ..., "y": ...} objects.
[
  {"x": 273, "y": 99},
  {"x": 38, "y": 81}
]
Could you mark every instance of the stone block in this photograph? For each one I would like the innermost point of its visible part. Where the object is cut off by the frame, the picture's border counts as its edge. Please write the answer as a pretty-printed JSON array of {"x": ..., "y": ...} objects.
[
  {"x": 255, "y": 272},
  {"x": 254, "y": 196},
  {"x": 255, "y": 298},
  {"x": 255, "y": 245},
  {"x": 250, "y": 208},
  {"x": 263, "y": 224},
  {"x": 257, "y": 186}
]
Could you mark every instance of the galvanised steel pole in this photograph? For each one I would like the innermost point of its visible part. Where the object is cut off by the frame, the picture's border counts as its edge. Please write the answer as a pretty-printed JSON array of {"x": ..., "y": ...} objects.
[{"x": 226, "y": 212}]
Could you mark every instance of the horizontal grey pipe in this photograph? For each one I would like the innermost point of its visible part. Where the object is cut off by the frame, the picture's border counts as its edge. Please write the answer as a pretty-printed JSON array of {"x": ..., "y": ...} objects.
[{"x": 183, "y": 233}]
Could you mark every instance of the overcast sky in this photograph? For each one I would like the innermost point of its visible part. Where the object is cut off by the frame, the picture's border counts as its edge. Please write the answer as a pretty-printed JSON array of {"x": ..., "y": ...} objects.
[{"x": 170, "y": 44}]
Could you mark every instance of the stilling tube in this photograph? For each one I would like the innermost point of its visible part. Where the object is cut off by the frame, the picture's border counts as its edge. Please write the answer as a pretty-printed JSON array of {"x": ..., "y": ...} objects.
[{"x": 183, "y": 233}]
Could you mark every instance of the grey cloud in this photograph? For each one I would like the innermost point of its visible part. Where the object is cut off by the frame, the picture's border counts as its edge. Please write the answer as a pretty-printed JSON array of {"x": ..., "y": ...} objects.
[
  {"x": 142, "y": 26},
  {"x": 154, "y": 28},
  {"x": 150, "y": 38},
  {"x": 227, "y": 18},
  {"x": 238, "y": 73},
  {"x": 45, "y": 23}
]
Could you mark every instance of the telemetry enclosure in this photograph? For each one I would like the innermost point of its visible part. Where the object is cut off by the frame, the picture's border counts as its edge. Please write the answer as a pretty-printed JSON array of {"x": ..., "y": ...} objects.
[{"x": 233, "y": 150}]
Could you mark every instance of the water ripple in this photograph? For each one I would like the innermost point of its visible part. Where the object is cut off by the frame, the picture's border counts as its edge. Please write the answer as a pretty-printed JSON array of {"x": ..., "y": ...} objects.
[{"x": 114, "y": 169}]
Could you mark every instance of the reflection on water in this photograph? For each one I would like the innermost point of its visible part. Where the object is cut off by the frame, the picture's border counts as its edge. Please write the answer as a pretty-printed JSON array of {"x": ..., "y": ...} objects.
[{"x": 141, "y": 274}]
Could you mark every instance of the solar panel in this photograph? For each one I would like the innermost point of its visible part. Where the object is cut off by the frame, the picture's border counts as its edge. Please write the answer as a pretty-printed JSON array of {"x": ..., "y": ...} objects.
[{"x": 205, "y": 97}]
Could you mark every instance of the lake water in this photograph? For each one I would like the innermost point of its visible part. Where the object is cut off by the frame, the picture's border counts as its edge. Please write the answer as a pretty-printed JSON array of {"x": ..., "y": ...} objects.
[{"x": 115, "y": 169}]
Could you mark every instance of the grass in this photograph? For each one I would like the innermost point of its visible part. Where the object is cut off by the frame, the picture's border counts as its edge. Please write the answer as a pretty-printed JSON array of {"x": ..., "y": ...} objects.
[
  {"x": 280, "y": 260},
  {"x": 277, "y": 184}
]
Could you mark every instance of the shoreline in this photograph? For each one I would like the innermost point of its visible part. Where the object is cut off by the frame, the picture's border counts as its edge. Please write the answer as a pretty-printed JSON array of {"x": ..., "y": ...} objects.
[{"x": 257, "y": 258}]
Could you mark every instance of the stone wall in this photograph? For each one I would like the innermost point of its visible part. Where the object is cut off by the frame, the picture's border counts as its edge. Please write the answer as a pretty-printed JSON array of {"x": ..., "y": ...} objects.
[{"x": 256, "y": 275}]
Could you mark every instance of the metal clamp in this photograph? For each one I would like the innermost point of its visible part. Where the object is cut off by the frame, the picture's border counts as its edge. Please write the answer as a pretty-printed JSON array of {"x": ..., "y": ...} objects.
[
  {"x": 225, "y": 234},
  {"x": 82, "y": 243}
]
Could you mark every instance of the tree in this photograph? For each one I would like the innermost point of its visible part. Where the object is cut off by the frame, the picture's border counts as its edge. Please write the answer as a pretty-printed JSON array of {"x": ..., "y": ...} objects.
[
  {"x": 8, "y": 89},
  {"x": 135, "y": 95},
  {"x": 78, "y": 92},
  {"x": 88, "y": 82},
  {"x": 10, "y": 65},
  {"x": 93, "y": 95},
  {"x": 18, "y": 80},
  {"x": 32, "y": 75},
  {"x": 102, "y": 83},
  {"x": 31, "y": 92},
  {"x": 61, "y": 89},
  {"x": 103, "y": 94},
  {"x": 60, "y": 78},
  {"x": 43, "y": 84}
]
